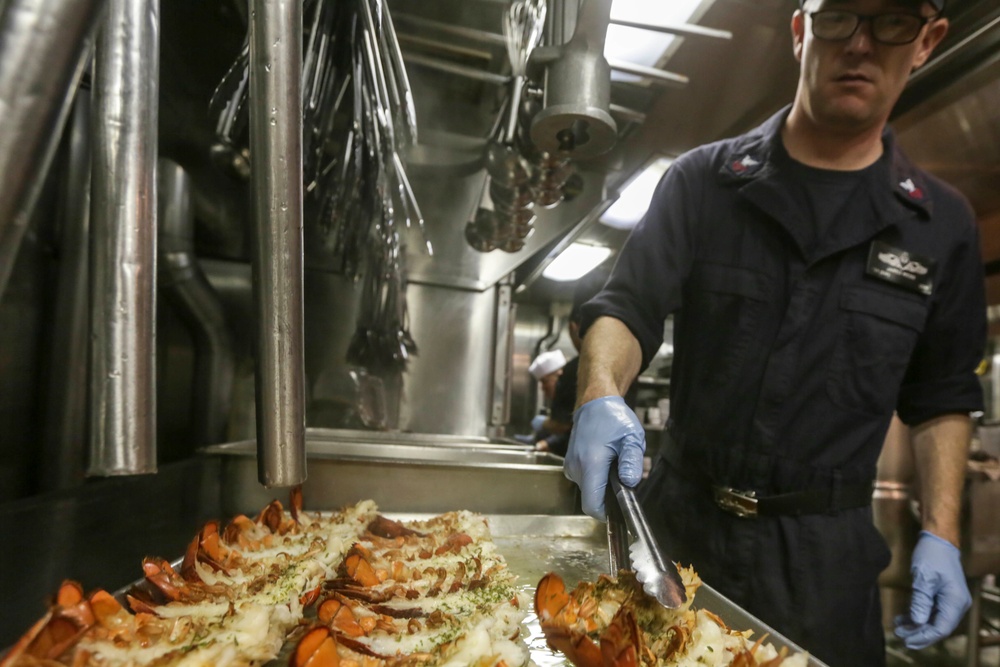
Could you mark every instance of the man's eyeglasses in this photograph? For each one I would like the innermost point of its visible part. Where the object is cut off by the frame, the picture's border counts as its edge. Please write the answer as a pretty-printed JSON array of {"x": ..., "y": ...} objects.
[{"x": 892, "y": 28}]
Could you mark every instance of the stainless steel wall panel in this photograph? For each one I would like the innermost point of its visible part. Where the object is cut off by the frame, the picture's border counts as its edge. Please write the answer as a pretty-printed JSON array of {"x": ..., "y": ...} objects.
[
  {"x": 331, "y": 310},
  {"x": 503, "y": 346},
  {"x": 408, "y": 477},
  {"x": 447, "y": 386},
  {"x": 530, "y": 327}
]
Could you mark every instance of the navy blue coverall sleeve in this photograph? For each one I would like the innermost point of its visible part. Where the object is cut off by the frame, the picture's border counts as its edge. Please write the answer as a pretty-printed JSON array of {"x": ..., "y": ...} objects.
[
  {"x": 941, "y": 377},
  {"x": 646, "y": 283}
]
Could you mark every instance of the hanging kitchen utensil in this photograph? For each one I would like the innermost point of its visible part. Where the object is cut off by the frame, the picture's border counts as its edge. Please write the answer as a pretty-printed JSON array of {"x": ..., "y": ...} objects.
[
  {"x": 358, "y": 123},
  {"x": 505, "y": 218}
]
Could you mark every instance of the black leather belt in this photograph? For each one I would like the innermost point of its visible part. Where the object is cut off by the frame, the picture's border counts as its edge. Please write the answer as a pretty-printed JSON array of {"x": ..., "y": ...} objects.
[
  {"x": 822, "y": 498},
  {"x": 838, "y": 496}
]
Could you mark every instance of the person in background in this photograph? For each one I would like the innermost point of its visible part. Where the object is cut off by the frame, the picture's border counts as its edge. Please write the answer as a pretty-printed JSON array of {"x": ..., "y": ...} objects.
[
  {"x": 546, "y": 368},
  {"x": 818, "y": 280},
  {"x": 554, "y": 429}
]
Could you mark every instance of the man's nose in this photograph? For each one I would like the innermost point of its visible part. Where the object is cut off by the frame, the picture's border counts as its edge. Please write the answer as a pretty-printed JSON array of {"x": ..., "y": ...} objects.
[{"x": 862, "y": 40}]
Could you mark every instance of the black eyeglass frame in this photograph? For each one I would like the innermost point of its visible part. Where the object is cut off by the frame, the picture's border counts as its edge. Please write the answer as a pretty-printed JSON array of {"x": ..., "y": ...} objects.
[{"x": 861, "y": 18}]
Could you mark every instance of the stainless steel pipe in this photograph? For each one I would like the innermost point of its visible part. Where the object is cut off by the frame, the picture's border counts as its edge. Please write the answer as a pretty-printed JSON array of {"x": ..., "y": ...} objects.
[
  {"x": 64, "y": 424},
  {"x": 455, "y": 68},
  {"x": 44, "y": 46},
  {"x": 680, "y": 29},
  {"x": 184, "y": 284},
  {"x": 655, "y": 74},
  {"x": 123, "y": 228},
  {"x": 276, "y": 182}
]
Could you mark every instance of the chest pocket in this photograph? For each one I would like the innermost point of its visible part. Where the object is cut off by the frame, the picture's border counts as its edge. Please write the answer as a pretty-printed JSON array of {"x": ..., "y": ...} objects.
[
  {"x": 878, "y": 332},
  {"x": 724, "y": 308}
]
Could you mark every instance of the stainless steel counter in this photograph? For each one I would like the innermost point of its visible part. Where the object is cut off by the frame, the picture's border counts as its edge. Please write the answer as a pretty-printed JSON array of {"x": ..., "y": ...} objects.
[
  {"x": 395, "y": 437},
  {"x": 403, "y": 475}
]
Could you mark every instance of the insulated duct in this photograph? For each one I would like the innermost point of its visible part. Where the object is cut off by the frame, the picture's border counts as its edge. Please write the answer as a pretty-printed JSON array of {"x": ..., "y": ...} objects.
[
  {"x": 123, "y": 228},
  {"x": 196, "y": 303},
  {"x": 44, "y": 46},
  {"x": 276, "y": 186}
]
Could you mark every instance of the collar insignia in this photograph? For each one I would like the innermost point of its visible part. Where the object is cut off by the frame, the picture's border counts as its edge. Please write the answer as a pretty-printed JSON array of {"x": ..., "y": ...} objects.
[
  {"x": 912, "y": 190},
  {"x": 745, "y": 165}
]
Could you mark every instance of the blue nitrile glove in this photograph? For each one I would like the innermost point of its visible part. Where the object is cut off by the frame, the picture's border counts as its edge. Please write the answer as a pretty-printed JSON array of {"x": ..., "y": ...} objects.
[
  {"x": 604, "y": 429},
  {"x": 536, "y": 423},
  {"x": 940, "y": 595}
]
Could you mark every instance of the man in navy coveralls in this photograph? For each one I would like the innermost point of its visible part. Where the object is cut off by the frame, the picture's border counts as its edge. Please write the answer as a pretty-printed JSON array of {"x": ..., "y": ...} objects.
[{"x": 819, "y": 282}]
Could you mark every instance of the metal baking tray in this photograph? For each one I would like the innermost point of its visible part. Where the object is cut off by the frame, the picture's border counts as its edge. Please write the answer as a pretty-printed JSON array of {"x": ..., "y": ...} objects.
[
  {"x": 405, "y": 476},
  {"x": 574, "y": 547}
]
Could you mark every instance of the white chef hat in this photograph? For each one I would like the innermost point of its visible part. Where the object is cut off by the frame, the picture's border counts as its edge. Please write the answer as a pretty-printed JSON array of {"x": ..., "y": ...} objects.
[{"x": 547, "y": 362}]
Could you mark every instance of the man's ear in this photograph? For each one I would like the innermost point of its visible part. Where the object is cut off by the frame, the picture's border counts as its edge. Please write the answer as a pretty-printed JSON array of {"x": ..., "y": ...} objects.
[
  {"x": 933, "y": 35},
  {"x": 798, "y": 33}
]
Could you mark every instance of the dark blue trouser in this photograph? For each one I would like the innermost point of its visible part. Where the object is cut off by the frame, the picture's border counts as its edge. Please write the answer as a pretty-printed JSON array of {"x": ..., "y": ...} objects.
[{"x": 813, "y": 578}]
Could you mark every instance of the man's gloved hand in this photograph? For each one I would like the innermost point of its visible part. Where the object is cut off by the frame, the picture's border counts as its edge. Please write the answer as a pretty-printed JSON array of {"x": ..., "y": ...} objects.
[
  {"x": 940, "y": 594},
  {"x": 604, "y": 429},
  {"x": 536, "y": 423}
]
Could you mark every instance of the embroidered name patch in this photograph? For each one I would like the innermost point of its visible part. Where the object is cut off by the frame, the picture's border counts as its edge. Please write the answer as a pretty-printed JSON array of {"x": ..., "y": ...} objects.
[{"x": 899, "y": 267}]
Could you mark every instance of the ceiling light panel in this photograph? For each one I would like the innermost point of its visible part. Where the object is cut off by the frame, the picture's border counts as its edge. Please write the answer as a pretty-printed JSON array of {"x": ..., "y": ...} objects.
[
  {"x": 644, "y": 47},
  {"x": 576, "y": 261},
  {"x": 634, "y": 200}
]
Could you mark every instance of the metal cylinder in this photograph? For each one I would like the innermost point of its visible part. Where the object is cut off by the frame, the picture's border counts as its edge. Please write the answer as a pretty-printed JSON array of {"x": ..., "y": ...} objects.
[
  {"x": 123, "y": 238},
  {"x": 44, "y": 46},
  {"x": 276, "y": 182},
  {"x": 575, "y": 121},
  {"x": 187, "y": 289},
  {"x": 64, "y": 425}
]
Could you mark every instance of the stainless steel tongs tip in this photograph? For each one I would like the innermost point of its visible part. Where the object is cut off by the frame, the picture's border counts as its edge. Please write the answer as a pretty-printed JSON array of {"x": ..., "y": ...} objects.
[{"x": 658, "y": 575}]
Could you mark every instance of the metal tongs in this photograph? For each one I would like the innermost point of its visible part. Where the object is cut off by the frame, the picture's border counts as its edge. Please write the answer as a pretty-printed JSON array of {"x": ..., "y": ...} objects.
[{"x": 627, "y": 527}]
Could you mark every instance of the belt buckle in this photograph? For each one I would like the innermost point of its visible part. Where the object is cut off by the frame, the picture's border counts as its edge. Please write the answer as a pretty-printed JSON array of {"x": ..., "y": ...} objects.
[{"x": 739, "y": 503}]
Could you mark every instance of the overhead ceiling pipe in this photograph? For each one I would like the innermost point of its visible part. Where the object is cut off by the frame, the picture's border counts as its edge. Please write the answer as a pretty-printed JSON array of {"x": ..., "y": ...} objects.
[
  {"x": 276, "y": 185},
  {"x": 626, "y": 114},
  {"x": 187, "y": 289},
  {"x": 455, "y": 68},
  {"x": 123, "y": 237},
  {"x": 657, "y": 75},
  {"x": 679, "y": 29},
  {"x": 452, "y": 29},
  {"x": 44, "y": 46}
]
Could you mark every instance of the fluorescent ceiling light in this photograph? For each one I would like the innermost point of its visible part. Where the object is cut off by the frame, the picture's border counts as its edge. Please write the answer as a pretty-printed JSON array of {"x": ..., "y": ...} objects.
[
  {"x": 575, "y": 262},
  {"x": 644, "y": 47},
  {"x": 634, "y": 200}
]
